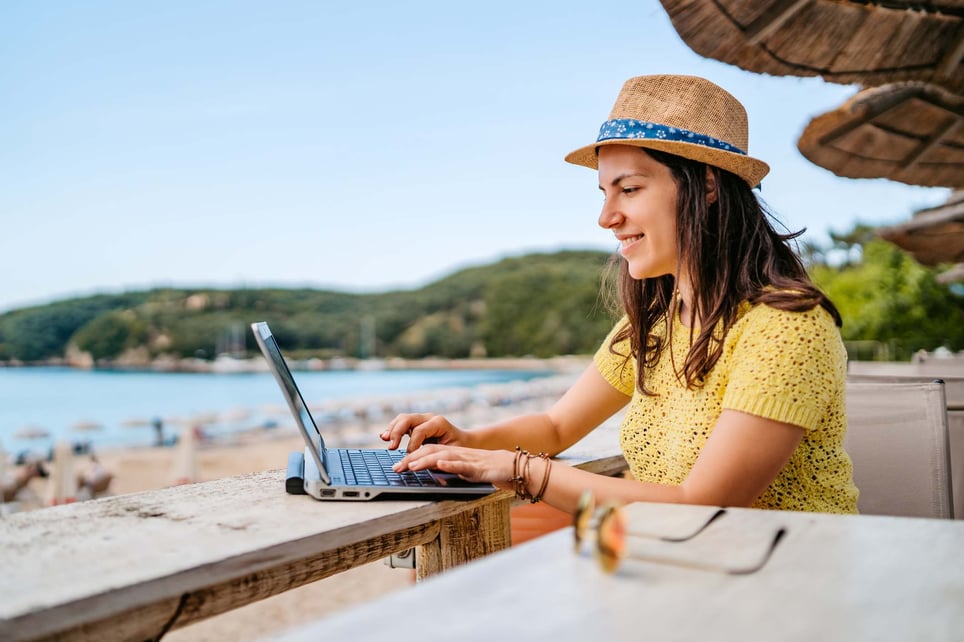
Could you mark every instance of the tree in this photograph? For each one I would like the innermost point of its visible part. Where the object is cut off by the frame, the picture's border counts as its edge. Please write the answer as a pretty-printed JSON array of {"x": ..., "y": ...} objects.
[
  {"x": 109, "y": 335},
  {"x": 887, "y": 297}
]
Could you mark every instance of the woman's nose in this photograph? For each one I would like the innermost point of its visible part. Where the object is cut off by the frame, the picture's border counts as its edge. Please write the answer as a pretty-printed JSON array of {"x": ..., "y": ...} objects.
[{"x": 608, "y": 216}]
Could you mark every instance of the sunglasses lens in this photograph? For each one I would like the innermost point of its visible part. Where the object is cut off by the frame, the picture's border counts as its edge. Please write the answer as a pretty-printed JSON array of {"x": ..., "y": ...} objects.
[
  {"x": 611, "y": 538},
  {"x": 581, "y": 519}
]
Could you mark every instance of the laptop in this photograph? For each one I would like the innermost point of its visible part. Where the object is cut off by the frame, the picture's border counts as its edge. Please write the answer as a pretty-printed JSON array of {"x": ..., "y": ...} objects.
[{"x": 357, "y": 474}]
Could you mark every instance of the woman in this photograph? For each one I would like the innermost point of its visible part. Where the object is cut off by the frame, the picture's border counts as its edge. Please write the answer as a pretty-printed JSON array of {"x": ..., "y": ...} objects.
[{"x": 729, "y": 357}]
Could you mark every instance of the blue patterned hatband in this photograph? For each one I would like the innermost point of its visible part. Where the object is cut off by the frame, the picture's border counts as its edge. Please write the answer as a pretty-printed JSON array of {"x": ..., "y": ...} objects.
[{"x": 630, "y": 128}]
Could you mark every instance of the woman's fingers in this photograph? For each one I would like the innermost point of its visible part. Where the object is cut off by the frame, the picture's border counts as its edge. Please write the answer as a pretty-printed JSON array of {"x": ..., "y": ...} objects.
[
  {"x": 401, "y": 426},
  {"x": 463, "y": 469},
  {"x": 468, "y": 463},
  {"x": 419, "y": 459},
  {"x": 420, "y": 428}
]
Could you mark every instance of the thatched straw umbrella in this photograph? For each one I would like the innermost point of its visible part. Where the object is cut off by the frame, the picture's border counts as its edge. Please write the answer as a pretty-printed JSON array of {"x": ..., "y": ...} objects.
[
  {"x": 844, "y": 42},
  {"x": 907, "y": 132},
  {"x": 32, "y": 432},
  {"x": 907, "y": 127},
  {"x": 934, "y": 235}
]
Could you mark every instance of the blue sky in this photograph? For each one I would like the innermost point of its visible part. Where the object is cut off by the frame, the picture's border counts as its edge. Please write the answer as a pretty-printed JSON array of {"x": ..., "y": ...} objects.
[{"x": 361, "y": 146}]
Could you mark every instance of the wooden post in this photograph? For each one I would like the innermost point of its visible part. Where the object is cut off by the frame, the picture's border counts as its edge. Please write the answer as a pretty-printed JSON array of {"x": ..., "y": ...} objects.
[{"x": 466, "y": 536}]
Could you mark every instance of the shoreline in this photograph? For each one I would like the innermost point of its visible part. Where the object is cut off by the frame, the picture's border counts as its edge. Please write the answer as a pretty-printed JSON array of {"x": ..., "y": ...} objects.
[
  {"x": 226, "y": 364},
  {"x": 334, "y": 401}
]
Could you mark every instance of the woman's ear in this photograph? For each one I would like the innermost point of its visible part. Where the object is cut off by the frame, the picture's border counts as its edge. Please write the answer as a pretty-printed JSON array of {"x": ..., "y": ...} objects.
[{"x": 711, "y": 192}]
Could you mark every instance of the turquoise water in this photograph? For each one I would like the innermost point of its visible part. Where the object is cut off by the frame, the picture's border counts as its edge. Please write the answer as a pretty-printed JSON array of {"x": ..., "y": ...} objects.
[{"x": 56, "y": 400}]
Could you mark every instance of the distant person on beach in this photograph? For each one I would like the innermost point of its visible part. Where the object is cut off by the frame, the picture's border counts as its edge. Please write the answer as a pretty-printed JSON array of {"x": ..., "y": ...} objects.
[
  {"x": 95, "y": 480},
  {"x": 158, "y": 431},
  {"x": 10, "y": 486},
  {"x": 727, "y": 355}
]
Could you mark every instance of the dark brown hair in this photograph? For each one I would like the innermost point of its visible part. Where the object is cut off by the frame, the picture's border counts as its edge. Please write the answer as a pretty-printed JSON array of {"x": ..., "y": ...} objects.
[{"x": 732, "y": 253}]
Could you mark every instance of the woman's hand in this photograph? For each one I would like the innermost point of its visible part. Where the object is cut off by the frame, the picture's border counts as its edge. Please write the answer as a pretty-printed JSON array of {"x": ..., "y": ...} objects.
[
  {"x": 471, "y": 464},
  {"x": 423, "y": 428}
]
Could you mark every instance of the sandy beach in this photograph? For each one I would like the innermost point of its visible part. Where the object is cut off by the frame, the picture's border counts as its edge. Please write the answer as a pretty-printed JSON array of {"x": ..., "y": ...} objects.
[{"x": 140, "y": 469}]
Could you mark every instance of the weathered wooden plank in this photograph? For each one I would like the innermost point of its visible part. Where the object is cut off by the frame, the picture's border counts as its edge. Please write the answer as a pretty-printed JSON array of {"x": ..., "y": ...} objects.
[
  {"x": 465, "y": 537},
  {"x": 71, "y": 565},
  {"x": 152, "y": 621}
]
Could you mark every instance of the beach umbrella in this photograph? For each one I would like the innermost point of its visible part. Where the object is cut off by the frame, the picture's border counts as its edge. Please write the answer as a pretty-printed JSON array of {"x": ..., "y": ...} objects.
[
  {"x": 63, "y": 481},
  {"x": 933, "y": 235},
  {"x": 202, "y": 418},
  {"x": 846, "y": 42},
  {"x": 32, "y": 432},
  {"x": 186, "y": 457},
  {"x": 235, "y": 415},
  {"x": 907, "y": 132},
  {"x": 86, "y": 426}
]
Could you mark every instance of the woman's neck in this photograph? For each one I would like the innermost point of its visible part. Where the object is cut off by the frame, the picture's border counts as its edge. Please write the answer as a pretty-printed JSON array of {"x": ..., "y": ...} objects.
[{"x": 684, "y": 302}]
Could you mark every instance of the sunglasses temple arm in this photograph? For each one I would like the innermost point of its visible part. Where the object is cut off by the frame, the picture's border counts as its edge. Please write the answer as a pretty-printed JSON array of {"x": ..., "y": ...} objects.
[
  {"x": 699, "y": 530},
  {"x": 766, "y": 556},
  {"x": 704, "y": 566}
]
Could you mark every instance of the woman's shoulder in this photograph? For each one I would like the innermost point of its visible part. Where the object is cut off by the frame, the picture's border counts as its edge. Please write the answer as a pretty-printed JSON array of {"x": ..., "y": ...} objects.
[
  {"x": 762, "y": 313},
  {"x": 765, "y": 325}
]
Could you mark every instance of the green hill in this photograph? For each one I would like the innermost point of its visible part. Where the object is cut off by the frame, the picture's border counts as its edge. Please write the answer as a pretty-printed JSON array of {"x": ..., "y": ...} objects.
[{"x": 538, "y": 304}]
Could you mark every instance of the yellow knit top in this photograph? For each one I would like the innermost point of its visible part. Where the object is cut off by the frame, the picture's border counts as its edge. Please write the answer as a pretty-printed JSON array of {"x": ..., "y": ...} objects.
[{"x": 785, "y": 366}]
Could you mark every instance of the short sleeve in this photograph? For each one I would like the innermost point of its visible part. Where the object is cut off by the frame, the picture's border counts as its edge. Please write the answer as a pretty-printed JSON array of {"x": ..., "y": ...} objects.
[
  {"x": 786, "y": 366},
  {"x": 615, "y": 368}
]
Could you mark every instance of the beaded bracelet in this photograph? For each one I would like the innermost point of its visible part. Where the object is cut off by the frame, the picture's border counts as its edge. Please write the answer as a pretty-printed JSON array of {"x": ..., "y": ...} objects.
[
  {"x": 545, "y": 479},
  {"x": 517, "y": 480},
  {"x": 520, "y": 475}
]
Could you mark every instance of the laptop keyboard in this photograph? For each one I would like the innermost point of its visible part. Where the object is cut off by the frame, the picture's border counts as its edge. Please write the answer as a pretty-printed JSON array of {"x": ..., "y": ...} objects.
[{"x": 374, "y": 468}]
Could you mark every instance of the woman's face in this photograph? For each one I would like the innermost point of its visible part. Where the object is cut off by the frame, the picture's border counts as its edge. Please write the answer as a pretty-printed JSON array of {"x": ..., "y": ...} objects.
[{"x": 640, "y": 209}]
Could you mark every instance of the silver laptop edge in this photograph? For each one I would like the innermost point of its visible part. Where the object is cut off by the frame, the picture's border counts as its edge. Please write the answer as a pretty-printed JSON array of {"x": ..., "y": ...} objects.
[{"x": 322, "y": 480}]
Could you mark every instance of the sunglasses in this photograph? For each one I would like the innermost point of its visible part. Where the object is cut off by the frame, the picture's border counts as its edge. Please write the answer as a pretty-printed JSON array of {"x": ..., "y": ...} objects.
[{"x": 612, "y": 536}]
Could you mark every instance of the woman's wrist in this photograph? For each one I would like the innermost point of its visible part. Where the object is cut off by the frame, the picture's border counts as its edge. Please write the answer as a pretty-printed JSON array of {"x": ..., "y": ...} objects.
[
  {"x": 530, "y": 475},
  {"x": 468, "y": 439}
]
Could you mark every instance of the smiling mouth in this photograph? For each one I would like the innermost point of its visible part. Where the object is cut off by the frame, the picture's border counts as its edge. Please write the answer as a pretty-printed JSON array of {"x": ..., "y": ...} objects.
[{"x": 630, "y": 240}]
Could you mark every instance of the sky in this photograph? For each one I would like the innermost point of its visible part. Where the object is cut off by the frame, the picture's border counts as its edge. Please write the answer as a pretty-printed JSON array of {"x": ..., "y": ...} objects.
[{"x": 362, "y": 146}]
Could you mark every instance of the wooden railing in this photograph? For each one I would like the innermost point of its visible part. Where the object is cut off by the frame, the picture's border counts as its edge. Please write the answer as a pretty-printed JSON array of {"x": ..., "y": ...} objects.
[{"x": 133, "y": 567}]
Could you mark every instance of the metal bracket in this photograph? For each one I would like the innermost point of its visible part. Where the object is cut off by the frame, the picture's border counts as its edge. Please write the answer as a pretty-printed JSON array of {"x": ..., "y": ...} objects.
[{"x": 405, "y": 559}]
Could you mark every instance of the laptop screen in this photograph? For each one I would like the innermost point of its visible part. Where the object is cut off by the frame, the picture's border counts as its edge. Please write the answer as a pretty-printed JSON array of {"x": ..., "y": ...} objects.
[{"x": 296, "y": 402}]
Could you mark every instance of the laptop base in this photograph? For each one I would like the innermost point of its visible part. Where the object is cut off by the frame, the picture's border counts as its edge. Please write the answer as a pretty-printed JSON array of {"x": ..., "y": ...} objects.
[{"x": 452, "y": 487}]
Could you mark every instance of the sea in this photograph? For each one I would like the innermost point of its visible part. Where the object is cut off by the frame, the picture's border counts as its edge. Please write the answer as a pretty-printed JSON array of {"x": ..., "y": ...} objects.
[{"x": 94, "y": 409}]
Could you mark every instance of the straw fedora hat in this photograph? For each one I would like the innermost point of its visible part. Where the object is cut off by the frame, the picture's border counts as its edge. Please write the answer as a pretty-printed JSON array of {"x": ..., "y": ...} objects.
[{"x": 683, "y": 115}]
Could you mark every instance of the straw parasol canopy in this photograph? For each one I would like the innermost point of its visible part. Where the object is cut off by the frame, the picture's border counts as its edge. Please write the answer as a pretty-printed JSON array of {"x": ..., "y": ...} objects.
[
  {"x": 32, "y": 432},
  {"x": 908, "y": 132},
  {"x": 86, "y": 426},
  {"x": 850, "y": 42},
  {"x": 934, "y": 235}
]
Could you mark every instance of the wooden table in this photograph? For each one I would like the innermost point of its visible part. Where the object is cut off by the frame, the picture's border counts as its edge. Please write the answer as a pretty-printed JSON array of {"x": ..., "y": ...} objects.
[
  {"x": 135, "y": 566},
  {"x": 829, "y": 578}
]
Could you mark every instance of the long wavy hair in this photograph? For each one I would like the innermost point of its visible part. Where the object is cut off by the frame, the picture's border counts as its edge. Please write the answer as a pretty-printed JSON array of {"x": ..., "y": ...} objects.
[{"x": 732, "y": 253}]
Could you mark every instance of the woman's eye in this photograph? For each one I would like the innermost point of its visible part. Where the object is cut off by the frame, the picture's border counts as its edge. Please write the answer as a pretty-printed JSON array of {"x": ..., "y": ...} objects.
[{"x": 630, "y": 190}]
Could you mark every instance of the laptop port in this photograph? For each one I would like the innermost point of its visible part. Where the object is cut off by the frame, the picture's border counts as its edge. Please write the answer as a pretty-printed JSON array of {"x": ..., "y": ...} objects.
[
  {"x": 350, "y": 493},
  {"x": 328, "y": 493}
]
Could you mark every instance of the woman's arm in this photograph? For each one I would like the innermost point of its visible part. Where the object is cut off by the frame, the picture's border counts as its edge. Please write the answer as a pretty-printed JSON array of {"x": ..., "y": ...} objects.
[
  {"x": 590, "y": 401},
  {"x": 742, "y": 456}
]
